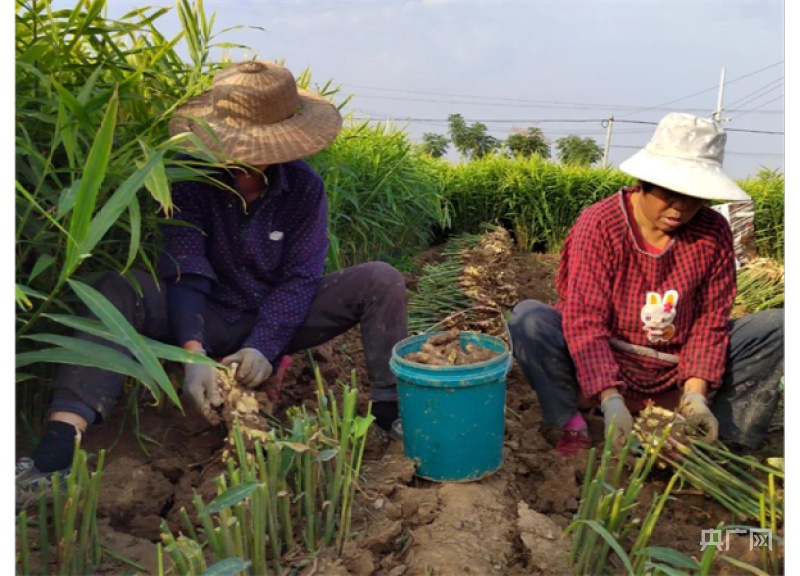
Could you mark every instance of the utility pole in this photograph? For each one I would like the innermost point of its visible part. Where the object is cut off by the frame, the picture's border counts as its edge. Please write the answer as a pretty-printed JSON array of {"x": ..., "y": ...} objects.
[
  {"x": 609, "y": 124},
  {"x": 717, "y": 116}
]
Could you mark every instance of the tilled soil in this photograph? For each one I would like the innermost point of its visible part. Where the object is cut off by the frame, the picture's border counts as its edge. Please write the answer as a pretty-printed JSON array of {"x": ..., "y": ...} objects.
[{"x": 508, "y": 523}]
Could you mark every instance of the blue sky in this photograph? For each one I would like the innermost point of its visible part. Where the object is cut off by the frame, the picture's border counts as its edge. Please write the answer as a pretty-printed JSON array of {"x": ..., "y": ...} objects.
[{"x": 525, "y": 63}]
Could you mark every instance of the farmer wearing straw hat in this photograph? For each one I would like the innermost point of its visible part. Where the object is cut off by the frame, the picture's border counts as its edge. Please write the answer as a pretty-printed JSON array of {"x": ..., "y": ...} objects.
[
  {"x": 646, "y": 283},
  {"x": 244, "y": 280}
]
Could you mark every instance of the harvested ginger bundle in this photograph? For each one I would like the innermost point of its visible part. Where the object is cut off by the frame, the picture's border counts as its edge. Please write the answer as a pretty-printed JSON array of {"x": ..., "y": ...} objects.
[
  {"x": 445, "y": 349},
  {"x": 239, "y": 403}
]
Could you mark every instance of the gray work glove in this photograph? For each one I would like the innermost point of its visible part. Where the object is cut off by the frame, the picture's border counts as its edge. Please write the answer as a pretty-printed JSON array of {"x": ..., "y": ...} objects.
[
  {"x": 200, "y": 383},
  {"x": 253, "y": 368},
  {"x": 612, "y": 406},
  {"x": 694, "y": 407}
]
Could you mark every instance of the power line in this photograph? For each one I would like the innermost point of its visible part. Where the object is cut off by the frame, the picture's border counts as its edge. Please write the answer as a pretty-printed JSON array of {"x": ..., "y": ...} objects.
[
  {"x": 541, "y": 106},
  {"x": 764, "y": 104},
  {"x": 746, "y": 96},
  {"x": 726, "y": 129},
  {"x": 754, "y": 131},
  {"x": 445, "y": 121},
  {"x": 474, "y": 97},
  {"x": 479, "y": 103},
  {"x": 708, "y": 89},
  {"x": 518, "y": 102},
  {"x": 441, "y": 122},
  {"x": 497, "y": 130},
  {"x": 779, "y": 86},
  {"x": 636, "y": 122},
  {"x": 776, "y": 133},
  {"x": 494, "y": 121},
  {"x": 726, "y": 152}
]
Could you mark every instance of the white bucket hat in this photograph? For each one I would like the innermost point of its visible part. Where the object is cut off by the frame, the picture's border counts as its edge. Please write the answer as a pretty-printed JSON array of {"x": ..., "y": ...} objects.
[{"x": 685, "y": 155}]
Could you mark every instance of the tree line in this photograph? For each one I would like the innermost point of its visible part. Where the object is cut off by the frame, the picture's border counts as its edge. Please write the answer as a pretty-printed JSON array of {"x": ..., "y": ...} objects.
[{"x": 474, "y": 141}]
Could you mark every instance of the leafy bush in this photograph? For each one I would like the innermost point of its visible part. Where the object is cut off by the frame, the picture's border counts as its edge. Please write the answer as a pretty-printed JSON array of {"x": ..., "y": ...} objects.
[
  {"x": 93, "y": 164},
  {"x": 767, "y": 191},
  {"x": 537, "y": 199},
  {"x": 540, "y": 200},
  {"x": 384, "y": 198}
]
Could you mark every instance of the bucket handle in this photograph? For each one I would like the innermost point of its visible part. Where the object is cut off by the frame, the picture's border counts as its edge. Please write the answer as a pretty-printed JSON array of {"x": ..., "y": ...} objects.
[{"x": 482, "y": 309}]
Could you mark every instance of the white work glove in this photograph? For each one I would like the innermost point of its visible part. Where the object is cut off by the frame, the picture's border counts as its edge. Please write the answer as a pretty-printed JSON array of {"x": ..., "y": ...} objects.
[
  {"x": 200, "y": 383},
  {"x": 253, "y": 368},
  {"x": 694, "y": 407},
  {"x": 612, "y": 406}
]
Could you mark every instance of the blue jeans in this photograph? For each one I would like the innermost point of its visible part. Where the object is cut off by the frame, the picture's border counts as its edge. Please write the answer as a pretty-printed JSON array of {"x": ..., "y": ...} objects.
[{"x": 744, "y": 404}]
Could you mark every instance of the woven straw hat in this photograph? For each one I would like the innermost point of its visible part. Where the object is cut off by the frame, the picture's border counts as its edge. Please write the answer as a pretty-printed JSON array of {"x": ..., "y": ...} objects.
[
  {"x": 685, "y": 155},
  {"x": 259, "y": 116}
]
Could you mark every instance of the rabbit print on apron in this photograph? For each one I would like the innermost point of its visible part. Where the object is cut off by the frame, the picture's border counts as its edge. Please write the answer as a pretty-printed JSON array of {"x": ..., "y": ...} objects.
[{"x": 658, "y": 314}]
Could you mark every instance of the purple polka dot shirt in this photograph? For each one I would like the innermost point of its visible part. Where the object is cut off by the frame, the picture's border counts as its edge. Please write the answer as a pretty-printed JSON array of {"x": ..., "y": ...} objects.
[{"x": 269, "y": 258}]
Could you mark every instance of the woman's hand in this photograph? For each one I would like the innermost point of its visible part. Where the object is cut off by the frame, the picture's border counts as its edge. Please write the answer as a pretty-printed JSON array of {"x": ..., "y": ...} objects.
[
  {"x": 614, "y": 410},
  {"x": 694, "y": 407},
  {"x": 253, "y": 368}
]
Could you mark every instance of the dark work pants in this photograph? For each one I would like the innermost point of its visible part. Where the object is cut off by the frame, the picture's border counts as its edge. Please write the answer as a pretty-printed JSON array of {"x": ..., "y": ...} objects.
[
  {"x": 744, "y": 404},
  {"x": 371, "y": 294}
]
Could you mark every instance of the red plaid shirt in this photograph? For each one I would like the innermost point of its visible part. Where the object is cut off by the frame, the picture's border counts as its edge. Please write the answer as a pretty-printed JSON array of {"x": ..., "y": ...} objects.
[{"x": 603, "y": 282}]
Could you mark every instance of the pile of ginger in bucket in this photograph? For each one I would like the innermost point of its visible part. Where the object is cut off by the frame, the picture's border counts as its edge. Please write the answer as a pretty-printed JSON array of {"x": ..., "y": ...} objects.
[{"x": 445, "y": 349}]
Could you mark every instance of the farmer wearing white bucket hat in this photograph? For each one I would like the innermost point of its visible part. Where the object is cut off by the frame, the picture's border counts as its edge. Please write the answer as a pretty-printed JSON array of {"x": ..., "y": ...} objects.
[
  {"x": 243, "y": 281},
  {"x": 685, "y": 156},
  {"x": 646, "y": 283}
]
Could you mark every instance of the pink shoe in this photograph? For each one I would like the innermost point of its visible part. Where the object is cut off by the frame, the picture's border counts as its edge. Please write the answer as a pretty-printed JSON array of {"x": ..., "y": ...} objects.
[{"x": 572, "y": 441}]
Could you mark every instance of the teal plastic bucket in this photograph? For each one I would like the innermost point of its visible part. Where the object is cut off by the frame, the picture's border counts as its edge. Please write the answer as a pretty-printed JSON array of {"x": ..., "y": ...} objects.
[{"x": 453, "y": 416}]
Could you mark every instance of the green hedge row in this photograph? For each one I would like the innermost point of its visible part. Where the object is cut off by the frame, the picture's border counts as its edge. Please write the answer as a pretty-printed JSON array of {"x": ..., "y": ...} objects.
[
  {"x": 767, "y": 191},
  {"x": 384, "y": 200},
  {"x": 536, "y": 199},
  {"x": 540, "y": 200}
]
